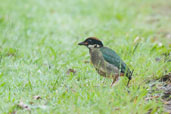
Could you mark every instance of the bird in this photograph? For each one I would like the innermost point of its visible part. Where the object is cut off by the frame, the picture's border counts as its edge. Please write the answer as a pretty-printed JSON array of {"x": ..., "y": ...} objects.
[{"x": 106, "y": 61}]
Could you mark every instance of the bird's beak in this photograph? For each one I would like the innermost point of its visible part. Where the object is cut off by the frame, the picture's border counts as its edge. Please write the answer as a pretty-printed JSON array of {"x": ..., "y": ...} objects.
[{"x": 83, "y": 43}]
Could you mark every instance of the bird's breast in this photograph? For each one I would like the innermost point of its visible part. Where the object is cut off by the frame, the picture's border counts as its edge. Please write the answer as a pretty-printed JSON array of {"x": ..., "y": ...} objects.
[
  {"x": 96, "y": 58},
  {"x": 103, "y": 67}
]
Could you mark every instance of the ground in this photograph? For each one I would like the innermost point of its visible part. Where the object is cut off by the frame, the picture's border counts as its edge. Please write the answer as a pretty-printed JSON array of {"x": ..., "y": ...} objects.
[{"x": 43, "y": 70}]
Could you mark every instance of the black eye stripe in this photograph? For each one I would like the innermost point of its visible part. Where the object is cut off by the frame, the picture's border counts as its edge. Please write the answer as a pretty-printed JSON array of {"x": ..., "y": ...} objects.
[
  {"x": 90, "y": 40},
  {"x": 94, "y": 41}
]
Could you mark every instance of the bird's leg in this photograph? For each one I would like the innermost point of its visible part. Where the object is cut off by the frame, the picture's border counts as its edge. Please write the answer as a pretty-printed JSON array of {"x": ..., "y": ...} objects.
[{"x": 115, "y": 80}]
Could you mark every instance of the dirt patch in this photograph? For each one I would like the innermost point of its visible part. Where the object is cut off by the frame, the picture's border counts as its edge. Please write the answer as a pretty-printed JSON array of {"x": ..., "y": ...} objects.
[
  {"x": 166, "y": 97},
  {"x": 161, "y": 89},
  {"x": 162, "y": 7},
  {"x": 161, "y": 16}
]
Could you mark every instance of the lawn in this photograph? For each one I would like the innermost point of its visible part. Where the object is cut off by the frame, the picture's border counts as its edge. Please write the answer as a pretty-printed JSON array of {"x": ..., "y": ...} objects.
[{"x": 38, "y": 44}]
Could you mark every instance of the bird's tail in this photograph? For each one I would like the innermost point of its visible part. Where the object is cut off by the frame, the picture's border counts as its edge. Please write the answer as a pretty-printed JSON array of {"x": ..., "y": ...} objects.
[{"x": 129, "y": 75}]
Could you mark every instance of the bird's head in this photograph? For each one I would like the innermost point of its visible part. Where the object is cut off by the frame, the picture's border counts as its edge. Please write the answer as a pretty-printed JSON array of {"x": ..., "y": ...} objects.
[{"x": 92, "y": 42}]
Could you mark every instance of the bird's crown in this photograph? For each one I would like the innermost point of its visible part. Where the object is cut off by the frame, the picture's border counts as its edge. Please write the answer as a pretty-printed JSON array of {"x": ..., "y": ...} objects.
[{"x": 92, "y": 42}]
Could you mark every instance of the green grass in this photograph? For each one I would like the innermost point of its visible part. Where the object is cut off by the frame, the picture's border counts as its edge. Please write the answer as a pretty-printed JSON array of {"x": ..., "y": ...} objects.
[{"x": 38, "y": 44}]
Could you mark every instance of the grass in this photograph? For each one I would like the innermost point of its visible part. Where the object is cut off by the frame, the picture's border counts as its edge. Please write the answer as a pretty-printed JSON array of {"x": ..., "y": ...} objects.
[{"x": 38, "y": 44}]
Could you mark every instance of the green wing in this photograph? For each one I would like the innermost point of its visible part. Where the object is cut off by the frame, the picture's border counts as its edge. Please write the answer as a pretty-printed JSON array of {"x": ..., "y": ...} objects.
[{"x": 114, "y": 59}]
